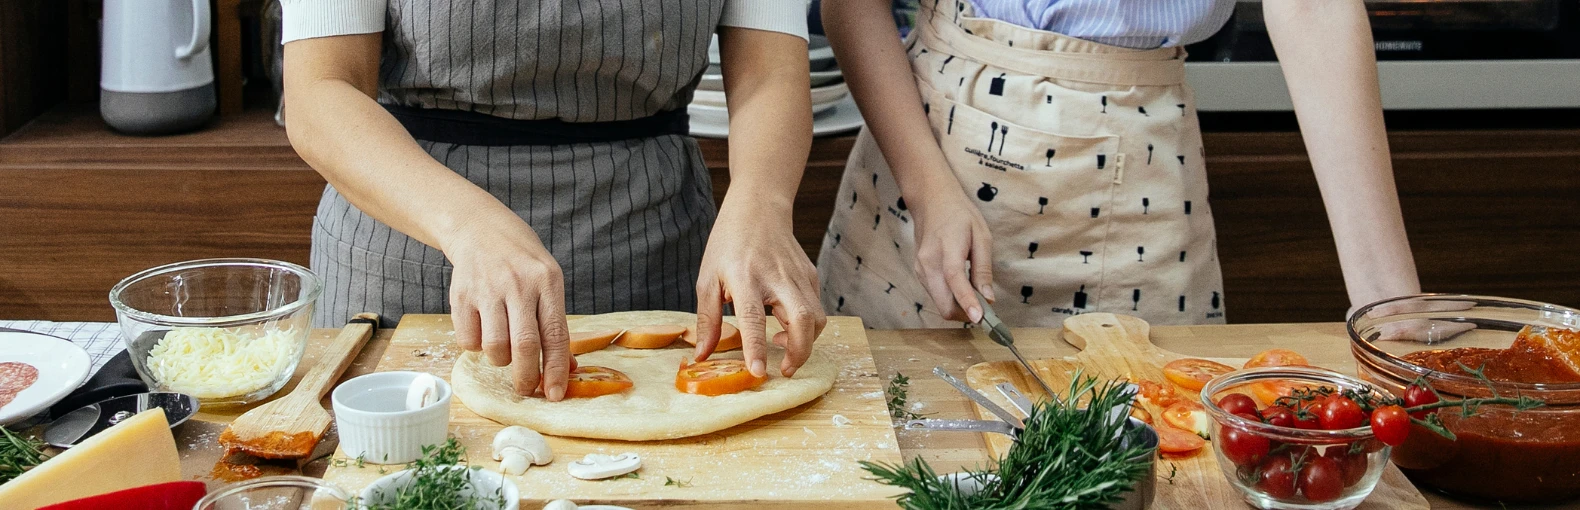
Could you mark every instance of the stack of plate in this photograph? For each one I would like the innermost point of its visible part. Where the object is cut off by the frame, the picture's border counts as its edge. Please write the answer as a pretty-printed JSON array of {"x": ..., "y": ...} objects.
[{"x": 833, "y": 110}]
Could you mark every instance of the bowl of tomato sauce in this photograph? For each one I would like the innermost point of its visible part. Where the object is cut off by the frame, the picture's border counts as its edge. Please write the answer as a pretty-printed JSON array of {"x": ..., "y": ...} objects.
[{"x": 1444, "y": 347}]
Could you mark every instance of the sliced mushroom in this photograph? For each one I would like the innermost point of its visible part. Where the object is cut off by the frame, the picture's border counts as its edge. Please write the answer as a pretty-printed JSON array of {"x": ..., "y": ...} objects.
[
  {"x": 423, "y": 392},
  {"x": 596, "y": 466},
  {"x": 518, "y": 448},
  {"x": 560, "y": 504}
]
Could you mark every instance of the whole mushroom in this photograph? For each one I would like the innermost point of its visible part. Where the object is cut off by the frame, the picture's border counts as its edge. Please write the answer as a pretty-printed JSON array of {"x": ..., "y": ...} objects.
[{"x": 518, "y": 448}]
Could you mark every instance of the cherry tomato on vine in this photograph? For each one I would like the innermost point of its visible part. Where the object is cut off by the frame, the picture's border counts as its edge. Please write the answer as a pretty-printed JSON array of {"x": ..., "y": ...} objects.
[
  {"x": 1391, "y": 425},
  {"x": 1279, "y": 415},
  {"x": 1416, "y": 395},
  {"x": 1236, "y": 403},
  {"x": 1321, "y": 479},
  {"x": 1241, "y": 446},
  {"x": 1276, "y": 478},
  {"x": 1339, "y": 412},
  {"x": 1353, "y": 465}
]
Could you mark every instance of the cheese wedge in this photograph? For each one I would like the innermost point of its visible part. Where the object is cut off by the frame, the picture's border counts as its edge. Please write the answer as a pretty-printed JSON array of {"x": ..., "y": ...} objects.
[{"x": 138, "y": 451}]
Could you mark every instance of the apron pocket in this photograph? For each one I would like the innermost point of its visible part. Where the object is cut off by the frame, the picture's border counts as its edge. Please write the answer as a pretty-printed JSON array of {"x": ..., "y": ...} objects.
[{"x": 1019, "y": 176}]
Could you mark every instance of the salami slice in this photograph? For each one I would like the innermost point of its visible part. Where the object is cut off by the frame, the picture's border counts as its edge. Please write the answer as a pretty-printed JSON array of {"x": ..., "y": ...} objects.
[{"x": 15, "y": 377}]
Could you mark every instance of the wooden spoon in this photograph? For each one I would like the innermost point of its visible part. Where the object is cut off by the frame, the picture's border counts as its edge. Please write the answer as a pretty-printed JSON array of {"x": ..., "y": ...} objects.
[{"x": 289, "y": 427}]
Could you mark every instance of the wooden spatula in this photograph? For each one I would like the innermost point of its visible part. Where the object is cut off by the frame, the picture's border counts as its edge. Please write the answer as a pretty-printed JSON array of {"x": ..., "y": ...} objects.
[{"x": 289, "y": 427}]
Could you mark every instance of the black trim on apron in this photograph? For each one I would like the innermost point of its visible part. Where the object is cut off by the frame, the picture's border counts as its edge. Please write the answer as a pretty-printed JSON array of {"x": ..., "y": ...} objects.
[{"x": 471, "y": 128}]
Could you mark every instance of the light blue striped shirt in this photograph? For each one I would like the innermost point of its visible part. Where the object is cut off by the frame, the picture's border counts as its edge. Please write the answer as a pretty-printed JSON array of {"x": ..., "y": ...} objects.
[{"x": 1141, "y": 24}]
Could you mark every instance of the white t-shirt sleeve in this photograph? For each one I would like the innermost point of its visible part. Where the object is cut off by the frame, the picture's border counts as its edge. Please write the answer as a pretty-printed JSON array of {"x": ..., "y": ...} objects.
[
  {"x": 786, "y": 16},
  {"x": 306, "y": 19}
]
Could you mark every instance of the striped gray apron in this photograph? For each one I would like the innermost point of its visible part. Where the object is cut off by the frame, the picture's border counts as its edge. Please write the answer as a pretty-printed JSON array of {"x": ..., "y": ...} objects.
[{"x": 627, "y": 220}]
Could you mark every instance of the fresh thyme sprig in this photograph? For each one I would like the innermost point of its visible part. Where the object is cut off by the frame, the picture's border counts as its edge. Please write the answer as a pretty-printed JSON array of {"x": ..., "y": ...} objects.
[
  {"x": 18, "y": 454},
  {"x": 898, "y": 392},
  {"x": 677, "y": 483},
  {"x": 1066, "y": 458},
  {"x": 435, "y": 484}
]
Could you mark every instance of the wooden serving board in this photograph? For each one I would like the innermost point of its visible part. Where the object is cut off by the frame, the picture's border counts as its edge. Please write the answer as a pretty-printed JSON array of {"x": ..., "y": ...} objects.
[
  {"x": 1119, "y": 347},
  {"x": 795, "y": 459}
]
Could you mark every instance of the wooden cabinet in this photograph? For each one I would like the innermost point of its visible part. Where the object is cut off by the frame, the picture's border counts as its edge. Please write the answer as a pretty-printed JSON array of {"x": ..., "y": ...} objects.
[{"x": 1494, "y": 212}]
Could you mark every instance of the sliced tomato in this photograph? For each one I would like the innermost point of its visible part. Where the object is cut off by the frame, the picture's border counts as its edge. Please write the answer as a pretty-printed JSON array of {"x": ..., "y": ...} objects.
[
  {"x": 591, "y": 381},
  {"x": 1193, "y": 373},
  {"x": 729, "y": 337},
  {"x": 1268, "y": 391},
  {"x": 716, "y": 377},
  {"x": 1158, "y": 394},
  {"x": 650, "y": 337},
  {"x": 1276, "y": 358},
  {"x": 583, "y": 342},
  {"x": 1189, "y": 416},
  {"x": 1174, "y": 440}
]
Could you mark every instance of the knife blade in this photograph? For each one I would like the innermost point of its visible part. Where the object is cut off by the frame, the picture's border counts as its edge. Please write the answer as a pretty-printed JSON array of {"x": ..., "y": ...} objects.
[
  {"x": 999, "y": 333},
  {"x": 979, "y": 398},
  {"x": 1015, "y": 398},
  {"x": 996, "y": 427}
]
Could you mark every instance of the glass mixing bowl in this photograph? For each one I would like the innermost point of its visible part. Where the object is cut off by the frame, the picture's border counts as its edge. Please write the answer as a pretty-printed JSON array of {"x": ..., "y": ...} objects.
[
  {"x": 276, "y": 493},
  {"x": 1530, "y": 456},
  {"x": 227, "y": 331}
]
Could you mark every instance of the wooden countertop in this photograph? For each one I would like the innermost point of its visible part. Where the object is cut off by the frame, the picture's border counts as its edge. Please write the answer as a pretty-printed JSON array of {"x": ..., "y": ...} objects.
[{"x": 915, "y": 353}]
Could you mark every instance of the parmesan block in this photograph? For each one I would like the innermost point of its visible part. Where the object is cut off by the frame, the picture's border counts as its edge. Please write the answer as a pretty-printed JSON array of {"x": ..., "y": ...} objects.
[{"x": 136, "y": 452}]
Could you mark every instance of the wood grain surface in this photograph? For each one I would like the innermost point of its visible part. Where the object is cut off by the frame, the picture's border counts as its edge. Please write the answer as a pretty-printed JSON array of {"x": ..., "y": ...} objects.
[
  {"x": 909, "y": 352},
  {"x": 801, "y": 458},
  {"x": 1117, "y": 347}
]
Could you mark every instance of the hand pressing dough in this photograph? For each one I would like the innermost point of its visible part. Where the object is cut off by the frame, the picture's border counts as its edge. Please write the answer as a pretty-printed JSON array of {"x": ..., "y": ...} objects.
[{"x": 653, "y": 409}]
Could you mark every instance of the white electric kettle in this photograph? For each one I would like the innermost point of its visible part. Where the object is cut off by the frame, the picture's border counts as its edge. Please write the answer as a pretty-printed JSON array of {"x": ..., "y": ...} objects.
[{"x": 156, "y": 76}]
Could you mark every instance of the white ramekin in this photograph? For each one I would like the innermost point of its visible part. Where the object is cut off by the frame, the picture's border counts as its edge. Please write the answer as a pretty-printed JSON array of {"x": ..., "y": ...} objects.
[{"x": 388, "y": 437}]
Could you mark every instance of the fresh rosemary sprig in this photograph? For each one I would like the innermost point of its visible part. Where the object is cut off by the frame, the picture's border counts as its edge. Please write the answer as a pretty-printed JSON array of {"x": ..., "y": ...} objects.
[
  {"x": 18, "y": 454},
  {"x": 898, "y": 393},
  {"x": 436, "y": 485},
  {"x": 1066, "y": 458}
]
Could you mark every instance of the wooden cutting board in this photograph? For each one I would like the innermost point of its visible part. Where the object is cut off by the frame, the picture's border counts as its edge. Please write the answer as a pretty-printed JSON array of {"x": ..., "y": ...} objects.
[
  {"x": 1119, "y": 346},
  {"x": 795, "y": 459}
]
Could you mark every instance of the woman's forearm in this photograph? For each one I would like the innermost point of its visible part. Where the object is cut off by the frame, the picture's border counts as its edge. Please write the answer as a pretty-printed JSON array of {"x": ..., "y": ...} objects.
[
  {"x": 873, "y": 59},
  {"x": 766, "y": 84},
  {"x": 337, "y": 128},
  {"x": 1326, "y": 52}
]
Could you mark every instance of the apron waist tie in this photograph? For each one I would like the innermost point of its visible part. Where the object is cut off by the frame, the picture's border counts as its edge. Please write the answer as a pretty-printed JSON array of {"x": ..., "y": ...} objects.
[{"x": 472, "y": 128}]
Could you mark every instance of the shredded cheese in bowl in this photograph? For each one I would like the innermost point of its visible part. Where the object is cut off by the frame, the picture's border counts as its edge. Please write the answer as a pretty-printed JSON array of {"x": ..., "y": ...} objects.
[{"x": 218, "y": 363}]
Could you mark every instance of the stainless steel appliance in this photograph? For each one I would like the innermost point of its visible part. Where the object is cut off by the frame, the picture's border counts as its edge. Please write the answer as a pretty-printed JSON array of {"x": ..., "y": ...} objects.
[{"x": 1432, "y": 55}]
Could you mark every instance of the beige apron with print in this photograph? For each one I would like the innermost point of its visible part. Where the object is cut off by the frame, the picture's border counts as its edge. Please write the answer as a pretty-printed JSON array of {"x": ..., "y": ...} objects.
[{"x": 1085, "y": 160}]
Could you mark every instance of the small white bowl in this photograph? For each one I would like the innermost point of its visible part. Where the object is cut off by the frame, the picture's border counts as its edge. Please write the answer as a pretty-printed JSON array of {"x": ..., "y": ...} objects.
[
  {"x": 374, "y": 424},
  {"x": 483, "y": 481}
]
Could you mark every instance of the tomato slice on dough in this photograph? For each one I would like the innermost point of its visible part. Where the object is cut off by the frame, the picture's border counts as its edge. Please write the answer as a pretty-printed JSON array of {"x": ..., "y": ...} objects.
[
  {"x": 1192, "y": 373},
  {"x": 583, "y": 342},
  {"x": 590, "y": 381},
  {"x": 1276, "y": 358},
  {"x": 650, "y": 337},
  {"x": 729, "y": 337},
  {"x": 716, "y": 377}
]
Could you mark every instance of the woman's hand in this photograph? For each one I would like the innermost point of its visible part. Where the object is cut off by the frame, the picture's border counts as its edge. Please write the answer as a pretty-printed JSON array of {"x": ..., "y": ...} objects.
[
  {"x": 753, "y": 260},
  {"x": 507, "y": 299},
  {"x": 950, "y": 236}
]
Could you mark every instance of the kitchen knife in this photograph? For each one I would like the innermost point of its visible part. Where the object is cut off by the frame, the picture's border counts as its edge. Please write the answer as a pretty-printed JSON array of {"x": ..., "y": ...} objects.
[
  {"x": 999, "y": 333},
  {"x": 996, "y": 427},
  {"x": 979, "y": 398}
]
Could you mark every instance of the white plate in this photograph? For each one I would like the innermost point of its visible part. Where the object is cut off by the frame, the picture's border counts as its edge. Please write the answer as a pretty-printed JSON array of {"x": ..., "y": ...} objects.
[
  {"x": 843, "y": 116},
  {"x": 62, "y": 367}
]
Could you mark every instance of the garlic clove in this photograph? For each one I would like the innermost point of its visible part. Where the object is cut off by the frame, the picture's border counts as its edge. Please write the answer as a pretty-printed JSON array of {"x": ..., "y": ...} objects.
[
  {"x": 423, "y": 392},
  {"x": 599, "y": 466}
]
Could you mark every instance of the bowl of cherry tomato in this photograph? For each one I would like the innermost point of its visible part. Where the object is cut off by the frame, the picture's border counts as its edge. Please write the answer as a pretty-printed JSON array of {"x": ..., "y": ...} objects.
[{"x": 1298, "y": 437}]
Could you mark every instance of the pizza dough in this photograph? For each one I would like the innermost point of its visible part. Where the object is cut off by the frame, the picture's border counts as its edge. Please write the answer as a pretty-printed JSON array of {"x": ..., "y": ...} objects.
[{"x": 653, "y": 409}]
